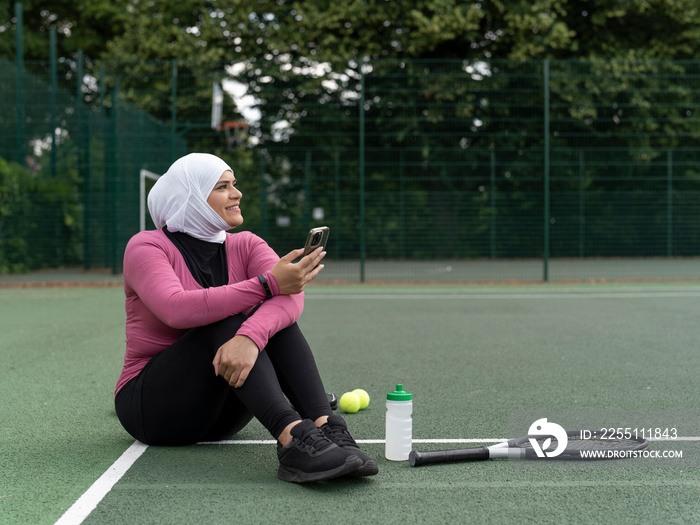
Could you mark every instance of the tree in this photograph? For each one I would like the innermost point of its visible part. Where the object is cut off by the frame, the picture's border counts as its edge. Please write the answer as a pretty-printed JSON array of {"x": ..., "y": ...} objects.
[
  {"x": 444, "y": 79},
  {"x": 86, "y": 25}
]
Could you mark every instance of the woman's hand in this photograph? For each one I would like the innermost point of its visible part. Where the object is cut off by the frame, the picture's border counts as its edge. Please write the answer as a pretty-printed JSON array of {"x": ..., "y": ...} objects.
[
  {"x": 235, "y": 359},
  {"x": 293, "y": 277}
]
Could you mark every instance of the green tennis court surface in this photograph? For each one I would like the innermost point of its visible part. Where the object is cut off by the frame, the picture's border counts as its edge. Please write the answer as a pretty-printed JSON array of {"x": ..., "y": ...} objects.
[{"x": 478, "y": 360}]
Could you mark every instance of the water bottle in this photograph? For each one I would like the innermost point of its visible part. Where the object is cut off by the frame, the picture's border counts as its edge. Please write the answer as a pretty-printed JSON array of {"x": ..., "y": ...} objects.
[{"x": 399, "y": 438}]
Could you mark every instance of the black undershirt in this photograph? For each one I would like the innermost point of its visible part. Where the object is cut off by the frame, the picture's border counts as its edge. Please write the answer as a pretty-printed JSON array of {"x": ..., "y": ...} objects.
[{"x": 206, "y": 260}]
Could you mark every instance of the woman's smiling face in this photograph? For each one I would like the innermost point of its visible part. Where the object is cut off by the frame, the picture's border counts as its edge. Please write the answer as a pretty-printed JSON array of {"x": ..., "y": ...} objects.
[{"x": 225, "y": 199}]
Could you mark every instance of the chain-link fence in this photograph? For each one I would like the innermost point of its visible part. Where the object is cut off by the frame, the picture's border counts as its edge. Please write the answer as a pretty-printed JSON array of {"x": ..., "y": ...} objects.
[
  {"x": 424, "y": 170},
  {"x": 76, "y": 202}
]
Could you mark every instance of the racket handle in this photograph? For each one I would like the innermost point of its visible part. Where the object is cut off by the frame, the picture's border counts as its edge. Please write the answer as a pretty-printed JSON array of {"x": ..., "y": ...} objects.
[{"x": 416, "y": 458}]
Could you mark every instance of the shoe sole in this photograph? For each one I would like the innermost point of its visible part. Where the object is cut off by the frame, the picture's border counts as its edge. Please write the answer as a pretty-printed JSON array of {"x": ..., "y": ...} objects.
[
  {"x": 293, "y": 475},
  {"x": 368, "y": 468}
]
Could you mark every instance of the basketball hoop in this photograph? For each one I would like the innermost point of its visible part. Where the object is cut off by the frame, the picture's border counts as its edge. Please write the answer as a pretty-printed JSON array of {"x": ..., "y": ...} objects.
[
  {"x": 217, "y": 105},
  {"x": 236, "y": 132}
]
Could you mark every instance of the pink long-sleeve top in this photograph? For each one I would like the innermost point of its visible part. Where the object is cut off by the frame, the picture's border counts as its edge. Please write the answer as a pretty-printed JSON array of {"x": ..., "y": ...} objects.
[{"x": 163, "y": 300}]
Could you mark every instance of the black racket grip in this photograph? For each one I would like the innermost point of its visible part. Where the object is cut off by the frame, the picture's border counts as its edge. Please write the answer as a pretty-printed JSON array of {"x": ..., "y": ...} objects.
[{"x": 416, "y": 459}]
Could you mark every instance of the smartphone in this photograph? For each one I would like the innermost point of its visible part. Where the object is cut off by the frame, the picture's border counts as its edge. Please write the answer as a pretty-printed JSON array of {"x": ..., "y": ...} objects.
[{"x": 316, "y": 237}]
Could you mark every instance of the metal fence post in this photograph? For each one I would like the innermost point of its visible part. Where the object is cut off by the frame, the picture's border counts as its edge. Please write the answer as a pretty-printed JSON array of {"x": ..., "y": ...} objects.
[
  {"x": 307, "y": 190},
  {"x": 581, "y": 204},
  {"x": 362, "y": 172},
  {"x": 492, "y": 196},
  {"x": 546, "y": 172},
  {"x": 53, "y": 68},
  {"x": 336, "y": 199},
  {"x": 19, "y": 84},
  {"x": 112, "y": 182},
  {"x": 83, "y": 158},
  {"x": 263, "y": 197},
  {"x": 402, "y": 204},
  {"x": 669, "y": 203},
  {"x": 173, "y": 108}
]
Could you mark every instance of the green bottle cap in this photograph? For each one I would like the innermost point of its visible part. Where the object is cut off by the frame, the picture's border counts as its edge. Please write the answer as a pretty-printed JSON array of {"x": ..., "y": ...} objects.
[{"x": 399, "y": 394}]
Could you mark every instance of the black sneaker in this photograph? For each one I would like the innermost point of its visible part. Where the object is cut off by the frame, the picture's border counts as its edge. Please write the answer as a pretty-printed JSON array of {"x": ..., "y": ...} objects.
[
  {"x": 337, "y": 431},
  {"x": 311, "y": 456}
]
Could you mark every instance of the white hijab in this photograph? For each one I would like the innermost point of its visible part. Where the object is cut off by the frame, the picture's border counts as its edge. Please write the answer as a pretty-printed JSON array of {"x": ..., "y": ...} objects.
[{"x": 179, "y": 198}]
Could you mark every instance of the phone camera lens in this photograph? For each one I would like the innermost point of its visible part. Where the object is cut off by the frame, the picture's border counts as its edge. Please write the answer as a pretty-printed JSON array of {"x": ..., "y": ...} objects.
[{"x": 317, "y": 238}]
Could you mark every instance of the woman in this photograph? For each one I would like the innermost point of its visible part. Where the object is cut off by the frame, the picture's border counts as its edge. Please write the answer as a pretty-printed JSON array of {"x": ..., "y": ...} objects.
[{"x": 211, "y": 333}]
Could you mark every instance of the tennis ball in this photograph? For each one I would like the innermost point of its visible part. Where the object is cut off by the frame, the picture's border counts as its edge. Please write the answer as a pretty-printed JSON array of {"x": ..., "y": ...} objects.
[
  {"x": 350, "y": 402},
  {"x": 364, "y": 397}
]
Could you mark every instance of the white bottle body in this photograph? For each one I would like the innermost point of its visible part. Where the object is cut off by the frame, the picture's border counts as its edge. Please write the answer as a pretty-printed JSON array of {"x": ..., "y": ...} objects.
[{"x": 399, "y": 430}]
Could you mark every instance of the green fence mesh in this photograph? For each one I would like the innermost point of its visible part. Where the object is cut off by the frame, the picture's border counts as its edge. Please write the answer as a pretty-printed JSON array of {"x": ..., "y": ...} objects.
[
  {"x": 82, "y": 163},
  {"x": 424, "y": 170}
]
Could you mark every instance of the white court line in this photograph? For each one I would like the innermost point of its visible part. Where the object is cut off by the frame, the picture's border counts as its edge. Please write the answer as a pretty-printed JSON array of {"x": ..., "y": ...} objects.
[
  {"x": 464, "y": 296},
  {"x": 272, "y": 441},
  {"x": 374, "y": 441},
  {"x": 82, "y": 508}
]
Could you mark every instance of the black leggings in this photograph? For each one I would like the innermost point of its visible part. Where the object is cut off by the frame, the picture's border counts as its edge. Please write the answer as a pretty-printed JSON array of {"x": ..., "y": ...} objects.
[{"x": 177, "y": 399}]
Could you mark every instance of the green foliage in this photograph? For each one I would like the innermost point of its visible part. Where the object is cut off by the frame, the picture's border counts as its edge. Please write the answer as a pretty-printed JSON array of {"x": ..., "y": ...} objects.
[
  {"x": 13, "y": 203},
  {"x": 233, "y": 31},
  {"x": 40, "y": 220},
  {"x": 135, "y": 41},
  {"x": 80, "y": 24},
  {"x": 447, "y": 83}
]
